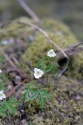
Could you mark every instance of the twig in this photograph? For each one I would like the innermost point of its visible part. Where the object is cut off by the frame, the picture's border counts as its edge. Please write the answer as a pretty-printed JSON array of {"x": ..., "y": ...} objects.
[
  {"x": 22, "y": 74},
  {"x": 45, "y": 34},
  {"x": 56, "y": 110},
  {"x": 70, "y": 51},
  {"x": 61, "y": 73},
  {"x": 10, "y": 92},
  {"x": 50, "y": 41},
  {"x": 78, "y": 44},
  {"x": 15, "y": 60},
  {"x": 7, "y": 58},
  {"x": 28, "y": 10},
  {"x": 65, "y": 117}
]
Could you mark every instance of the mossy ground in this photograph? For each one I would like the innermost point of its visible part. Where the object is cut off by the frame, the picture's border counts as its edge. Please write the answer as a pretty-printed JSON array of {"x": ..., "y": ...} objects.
[
  {"x": 66, "y": 92},
  {"x": 60, "y": 35},
  {"x": 66, "y": 97}
]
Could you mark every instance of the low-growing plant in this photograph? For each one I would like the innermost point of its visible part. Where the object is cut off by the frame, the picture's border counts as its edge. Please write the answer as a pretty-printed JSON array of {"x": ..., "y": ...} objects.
[
  {"x": 48, "y": 63},
  {"x": 8, "y": 107},
  {"x": 32, "y": 92},
  {"x": 1, "y": 60}
]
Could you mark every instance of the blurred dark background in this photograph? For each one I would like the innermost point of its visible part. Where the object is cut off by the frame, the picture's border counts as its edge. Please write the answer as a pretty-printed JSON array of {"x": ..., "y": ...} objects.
[{"x": 67, "y": 11}]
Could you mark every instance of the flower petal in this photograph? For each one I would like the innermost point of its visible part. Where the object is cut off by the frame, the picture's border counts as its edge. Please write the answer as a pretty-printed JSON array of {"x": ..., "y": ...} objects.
[
  {"x": 38, "y": 73},
  {"x": 35, "y": 69},
  {"x": 2, "y": 95},
  {"x": 0, "y": 71},
  {"x": 51, "y": 53}
]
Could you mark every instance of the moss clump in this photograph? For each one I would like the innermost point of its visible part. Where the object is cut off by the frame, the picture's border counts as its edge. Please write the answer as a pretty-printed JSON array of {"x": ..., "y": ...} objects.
[
  {"x": 58, "y": 32},
  {"x": 67, "y": 92},
  {"x": 13, "y": 29},
  {"x": 66, "y": 97},
  {"x": 60, "y": 35}
]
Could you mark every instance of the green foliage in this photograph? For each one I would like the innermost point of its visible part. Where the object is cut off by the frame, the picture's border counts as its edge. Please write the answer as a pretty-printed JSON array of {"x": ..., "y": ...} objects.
[
  {"x": 30, "y": 123},
  {"x": 1, "y": 60},
  {"x": 2, "y": 87},
  {"x": 9, "y": 106},
  {"x": 3, "y": 76},
  {"x": 2, "y": 109},
  {"x": 43, "y": 96},
  {"x": 48, "y": 64},
  {"x": 32, "y": 93}
]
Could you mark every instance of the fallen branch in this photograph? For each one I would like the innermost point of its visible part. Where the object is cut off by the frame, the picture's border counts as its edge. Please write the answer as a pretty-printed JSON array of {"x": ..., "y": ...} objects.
[
  {"x": 10, "y": 92},
  {"x": 70, "y": 51},
  {"x": 20, "y": 72},
  {"x": 29, "y": 11},
  {"x": 45, "y": 34},
  {"x": 50, "y": 41}
]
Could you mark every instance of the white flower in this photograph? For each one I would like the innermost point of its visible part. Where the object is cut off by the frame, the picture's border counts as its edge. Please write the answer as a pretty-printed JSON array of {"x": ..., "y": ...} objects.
[
  {"x": 51, "y": 53},
  {"x": 2, "y": 95},
  {"x": 0, "y": 71},
  {"x": 38, "y": 73}
]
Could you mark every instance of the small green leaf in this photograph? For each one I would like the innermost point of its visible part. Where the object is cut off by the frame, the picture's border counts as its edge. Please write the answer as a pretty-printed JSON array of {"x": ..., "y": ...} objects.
[
  {"x": 45, "y": 93},
  {"x": 8, "y": 107},
  {"x": 3, "y": 87},
  {"x": 35, "y": 96},
  {"x": 1, "y": 60},
  {"x": 30, "y": 85},
  {"x": 3, "y": 113},
  {"x": 13, "y": 109},
  {"x": 33, "y": 90},
  {"x": 31, "y": 94},
  {"x": 3, "y": 76},
  {"x": 42, "y": 101},
  {"x": 48, "y": 69},
  {"x": 27, "y": 95}
]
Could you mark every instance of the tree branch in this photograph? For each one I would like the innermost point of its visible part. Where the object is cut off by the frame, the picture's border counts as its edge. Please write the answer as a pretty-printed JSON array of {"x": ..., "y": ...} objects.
[
  {"x": 45, "y": 34},
  {"x": 70, "y": 51}
]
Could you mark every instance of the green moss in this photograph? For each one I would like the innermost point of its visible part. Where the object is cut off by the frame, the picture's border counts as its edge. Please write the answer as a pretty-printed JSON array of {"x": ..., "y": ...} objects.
[
  {"x": 66, "y": 92},
  {"x": 66, "y": 97},
  {"x": 14, "y": 29},
  {"x": 60, "y": 35}
]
